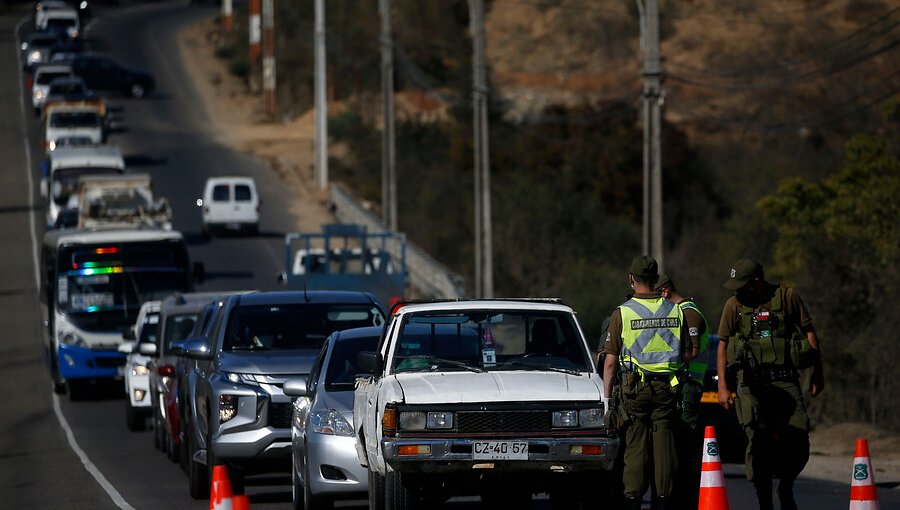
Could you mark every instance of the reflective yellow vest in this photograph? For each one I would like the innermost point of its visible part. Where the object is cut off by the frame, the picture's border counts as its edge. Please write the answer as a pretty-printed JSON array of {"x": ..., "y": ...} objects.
[
  {"x": 651, "y": 334},
  {"x": 697, "y": 366}
]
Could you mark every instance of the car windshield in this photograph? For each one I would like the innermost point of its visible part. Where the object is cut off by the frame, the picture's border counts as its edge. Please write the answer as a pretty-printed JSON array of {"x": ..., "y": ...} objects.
[
  {"x": 293, "y": 325},
  {"x": 67, "y": 87},
  {"x": 75, "y": 120},
  {"x": 46, "y": 78},
  {"x": 342, "y": 367},
  {"x": 178, "y": 327},
  {"x": 490, "y": 340}
]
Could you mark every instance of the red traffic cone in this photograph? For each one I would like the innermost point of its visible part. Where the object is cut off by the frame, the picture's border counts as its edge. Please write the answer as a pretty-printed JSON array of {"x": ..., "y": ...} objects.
[
  {"x": 220, "y": 489},
  {"x": 240, "y": 503},
  {"x": 713, "y": 495},
  {"x": 862, "y": 485}
]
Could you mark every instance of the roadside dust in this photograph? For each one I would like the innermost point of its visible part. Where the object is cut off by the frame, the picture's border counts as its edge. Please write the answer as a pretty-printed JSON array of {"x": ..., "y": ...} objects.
[{"x": 239, "y": 121}]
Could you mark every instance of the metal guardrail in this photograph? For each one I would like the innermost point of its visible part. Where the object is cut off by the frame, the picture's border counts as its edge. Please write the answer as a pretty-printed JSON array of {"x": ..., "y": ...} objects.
[{"x": 428, "y": 278}]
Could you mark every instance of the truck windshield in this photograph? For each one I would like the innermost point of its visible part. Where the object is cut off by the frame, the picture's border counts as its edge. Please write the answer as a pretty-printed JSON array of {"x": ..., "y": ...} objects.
[
  {"x": 293, "y": 326},
  {"x": 100, "y": 287},
  {"x": 493, "y": 340},
  {"x": 75, "y": 120}
]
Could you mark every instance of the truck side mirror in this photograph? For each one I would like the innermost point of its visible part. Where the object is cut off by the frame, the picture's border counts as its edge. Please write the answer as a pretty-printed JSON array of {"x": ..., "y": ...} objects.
[
  {"x": 197, "y": 348},
  {"x": 370, "y": 362}
]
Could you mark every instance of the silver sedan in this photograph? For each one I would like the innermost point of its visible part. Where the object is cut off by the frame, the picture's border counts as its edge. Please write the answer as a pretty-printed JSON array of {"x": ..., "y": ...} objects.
[{"x": 325, "y": 466}]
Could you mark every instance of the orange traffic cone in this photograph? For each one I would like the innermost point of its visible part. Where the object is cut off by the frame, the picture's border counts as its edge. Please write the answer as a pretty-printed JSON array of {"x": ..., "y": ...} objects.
[
  {"x": 220, "y": 489},
  {"x": 713, "y": 495},
  {"x": 862, "y": 486},
  {"x": 240, "y": 503}
]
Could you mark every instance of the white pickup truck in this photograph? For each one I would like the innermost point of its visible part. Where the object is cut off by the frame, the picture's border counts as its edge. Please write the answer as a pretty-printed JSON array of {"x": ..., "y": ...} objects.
[{"x": 499, "y": 398}]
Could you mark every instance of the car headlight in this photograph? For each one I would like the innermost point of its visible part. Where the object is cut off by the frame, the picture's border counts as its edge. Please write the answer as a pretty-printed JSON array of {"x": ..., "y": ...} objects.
[
  {"x": 35, "y": 55},
  {"x": 237, "y": 378},
  {"x": 331, "y": 422},
  {"x": 38, "y": 94},
  {"x": 566, "y": 419},
  {"x": 51, "y": 145},
  {"x": 72, "y": 339},
  {"x": 591, "y": 418},
  {"x": 139, "y": 369},
  {"x": 420, "y": 420}
]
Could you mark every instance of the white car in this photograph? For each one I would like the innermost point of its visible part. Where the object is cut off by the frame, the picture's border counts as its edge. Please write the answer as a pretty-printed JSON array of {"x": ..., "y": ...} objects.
[
  {"x": 43, "y": 76},
  {"x": 230, "y": 203},
  {"x": 66, "y": 120},
  {"x": 137, "y": 372},
  {"x": 61, "y": 21},
  {"x": 41, "y": 9}
]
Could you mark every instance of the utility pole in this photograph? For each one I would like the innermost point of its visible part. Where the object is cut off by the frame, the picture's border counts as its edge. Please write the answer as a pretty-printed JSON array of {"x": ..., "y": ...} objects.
[
  {"x": 388, "y": 144},
  {"x": 254, "y": 36},
  {"x": 227, "y": 16},
  {"x": 652, "y": 117},
  {"x": 269, "y": 54},
  {"x": 484, "y": 274},
  {"x": 321, "y": 106}
]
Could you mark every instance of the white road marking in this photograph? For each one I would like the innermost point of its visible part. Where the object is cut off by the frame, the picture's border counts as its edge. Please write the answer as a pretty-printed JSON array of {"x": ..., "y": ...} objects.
[{"x": 88, "y": 465}]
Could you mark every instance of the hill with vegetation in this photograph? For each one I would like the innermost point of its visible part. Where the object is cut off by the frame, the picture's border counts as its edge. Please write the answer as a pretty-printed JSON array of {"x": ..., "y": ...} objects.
[{"x": 780, "y": 142}]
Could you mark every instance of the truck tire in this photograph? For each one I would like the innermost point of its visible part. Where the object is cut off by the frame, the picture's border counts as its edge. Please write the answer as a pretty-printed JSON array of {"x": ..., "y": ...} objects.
[
  {"x": 376, "y": 491},
  {"x": 398, "y": 493},
  {"x": 134, "y": 419},
  {"x": 198, "y": 474}
]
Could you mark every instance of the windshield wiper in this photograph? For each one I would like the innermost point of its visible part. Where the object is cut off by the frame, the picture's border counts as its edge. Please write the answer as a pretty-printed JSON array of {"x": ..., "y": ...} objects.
[
  {"x": 433, "y": 360},
  {"x": 529, "y": 365}
]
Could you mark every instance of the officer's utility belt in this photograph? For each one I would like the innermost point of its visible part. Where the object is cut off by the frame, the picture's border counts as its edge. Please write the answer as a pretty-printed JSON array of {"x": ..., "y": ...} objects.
[
  {"x": 770, "y": 376},
  {"x": 647, "y": 376}
]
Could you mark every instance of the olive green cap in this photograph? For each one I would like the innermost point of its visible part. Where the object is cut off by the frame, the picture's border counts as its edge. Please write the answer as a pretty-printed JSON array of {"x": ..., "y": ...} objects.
[
  {"x": 644, "y": 266},
  {"x": 742, "y": 273}
]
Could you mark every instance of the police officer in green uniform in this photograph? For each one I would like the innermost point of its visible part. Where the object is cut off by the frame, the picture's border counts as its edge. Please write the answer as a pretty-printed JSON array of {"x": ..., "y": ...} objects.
[
  {"x": 647, "y": 344},
  {"x": 766, "y": 336},
  {"x": 691, "y": 446}
]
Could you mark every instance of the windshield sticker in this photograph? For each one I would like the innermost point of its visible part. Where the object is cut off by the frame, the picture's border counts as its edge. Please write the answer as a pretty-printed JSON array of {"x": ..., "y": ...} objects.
[{"x": 489, "y": 357}]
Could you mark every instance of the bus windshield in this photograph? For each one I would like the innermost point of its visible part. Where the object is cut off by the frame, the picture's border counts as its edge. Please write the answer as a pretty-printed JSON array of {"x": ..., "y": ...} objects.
[{"x": 99, "y": 285}]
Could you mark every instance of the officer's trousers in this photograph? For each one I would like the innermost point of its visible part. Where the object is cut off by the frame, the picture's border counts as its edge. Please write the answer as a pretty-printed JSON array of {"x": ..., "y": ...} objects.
[
  {"x": 652, "y": 408},
  {"x": 774, "y": 417}
]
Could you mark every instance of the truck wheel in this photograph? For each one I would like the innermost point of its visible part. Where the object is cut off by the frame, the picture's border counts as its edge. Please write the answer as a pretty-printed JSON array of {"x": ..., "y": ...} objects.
[
  {"x": 137, "y": 90},
  {"x": 76, "y": 390},
  {"x": 398, "y": 493},
  {"x": 376, "y": 491},
  {"x": 198, "y": 474},
  {"x": 134, "y": 419}
]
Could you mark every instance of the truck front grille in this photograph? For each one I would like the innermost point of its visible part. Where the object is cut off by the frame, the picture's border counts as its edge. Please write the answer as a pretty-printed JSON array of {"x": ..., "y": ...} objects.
[
  {"x": 280, "y": 415},
  {"x": 503, "y": 421}
]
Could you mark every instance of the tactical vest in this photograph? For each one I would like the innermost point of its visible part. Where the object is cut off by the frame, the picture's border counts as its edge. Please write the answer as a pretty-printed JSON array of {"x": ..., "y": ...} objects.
[
  {"x": 766, "y": 341},
  {"x": 651, "y": 335},
  {"x": 697, "y": 366}
]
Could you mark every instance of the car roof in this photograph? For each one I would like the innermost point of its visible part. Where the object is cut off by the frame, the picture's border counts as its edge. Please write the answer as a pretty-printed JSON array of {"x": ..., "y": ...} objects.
[
  {"x": 52, "y": 68},
  {"x": 300, "y": 297},
  {"x": 230, "y": 179},
  {"x": 56, "y": 238},
  {"x": 64, "y": 80},
  {"x": 358, "y": 333},
  {"x": 62, "y": 13}
]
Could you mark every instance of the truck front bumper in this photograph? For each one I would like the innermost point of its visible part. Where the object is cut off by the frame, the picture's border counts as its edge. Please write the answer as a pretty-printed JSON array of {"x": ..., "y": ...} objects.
[
  {"x": 555, "y": 454},
  {"x": 82, "y": 363}
]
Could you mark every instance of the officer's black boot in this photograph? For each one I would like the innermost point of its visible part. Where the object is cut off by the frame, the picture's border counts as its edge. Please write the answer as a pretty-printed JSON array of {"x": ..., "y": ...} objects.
[
  {"x": 786, "y": 495},
  {"x": 764, "y": 494},
  {"x": 667, "y": 503},
  {"x": 632, "y": 503}
]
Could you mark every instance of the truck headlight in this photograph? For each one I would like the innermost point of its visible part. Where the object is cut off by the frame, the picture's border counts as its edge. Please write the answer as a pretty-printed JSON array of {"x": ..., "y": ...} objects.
[
  {"x": 591, "y": 418},
  {"x": 565, "y": 419},
  {"x": 139, "y": 369},
  {"x": 419, "y": 420},
  {"x": 330, "y": 421}
]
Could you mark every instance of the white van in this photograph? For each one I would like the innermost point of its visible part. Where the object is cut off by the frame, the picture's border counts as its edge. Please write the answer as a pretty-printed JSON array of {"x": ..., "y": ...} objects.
[
  {"x": 230, "y": 203},
  {"x": 43, "y": 76},
  {"x": 81, "y": 119}
]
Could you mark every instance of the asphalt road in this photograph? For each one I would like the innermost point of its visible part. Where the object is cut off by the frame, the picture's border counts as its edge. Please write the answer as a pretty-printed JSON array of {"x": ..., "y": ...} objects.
[{"x": 57, "y": 454}]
